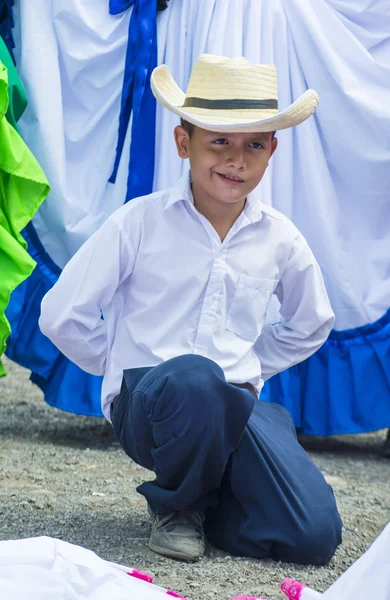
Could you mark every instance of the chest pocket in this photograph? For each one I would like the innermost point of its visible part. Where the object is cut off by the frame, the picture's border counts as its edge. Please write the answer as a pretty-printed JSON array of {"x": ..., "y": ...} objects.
[{"x": 247, "y": 311}]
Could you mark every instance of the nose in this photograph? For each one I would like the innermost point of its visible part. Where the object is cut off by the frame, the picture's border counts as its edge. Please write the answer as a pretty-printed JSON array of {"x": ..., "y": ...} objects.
[{"x": 235, "y": 158}]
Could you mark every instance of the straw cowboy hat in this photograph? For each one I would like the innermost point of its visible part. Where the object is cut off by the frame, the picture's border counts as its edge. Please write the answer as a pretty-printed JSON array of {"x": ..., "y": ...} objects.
[{"x": 230, "y": 94}]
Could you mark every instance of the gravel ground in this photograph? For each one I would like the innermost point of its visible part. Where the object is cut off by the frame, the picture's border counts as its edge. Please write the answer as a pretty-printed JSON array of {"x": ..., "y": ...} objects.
[{"x": 65, "y": 476}]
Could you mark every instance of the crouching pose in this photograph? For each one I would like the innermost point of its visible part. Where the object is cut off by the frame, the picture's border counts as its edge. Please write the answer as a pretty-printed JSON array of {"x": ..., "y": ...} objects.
[{"x": 167, "y": 300}]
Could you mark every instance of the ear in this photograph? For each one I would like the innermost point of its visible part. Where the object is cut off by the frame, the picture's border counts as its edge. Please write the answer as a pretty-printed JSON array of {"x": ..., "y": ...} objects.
[
  {"x": 182, "y": 140},
  {"x": 274, "y": 145}
]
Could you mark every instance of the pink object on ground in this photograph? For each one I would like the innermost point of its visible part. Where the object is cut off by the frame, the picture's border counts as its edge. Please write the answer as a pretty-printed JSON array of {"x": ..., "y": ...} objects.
[
  {"x": 140, "y": 575},
  {"x": 170, "y": 593},
  {"x": 292, "y": 589},
  {"x": 298, "y": 591}
]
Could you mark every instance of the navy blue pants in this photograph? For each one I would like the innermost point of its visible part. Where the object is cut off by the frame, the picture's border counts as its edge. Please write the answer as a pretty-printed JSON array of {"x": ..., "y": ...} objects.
[{"x": 215, "y": 447}]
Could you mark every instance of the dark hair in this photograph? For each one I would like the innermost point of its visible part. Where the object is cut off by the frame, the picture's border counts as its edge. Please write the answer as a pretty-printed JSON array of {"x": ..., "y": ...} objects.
[{"x": 190, "y": 128}]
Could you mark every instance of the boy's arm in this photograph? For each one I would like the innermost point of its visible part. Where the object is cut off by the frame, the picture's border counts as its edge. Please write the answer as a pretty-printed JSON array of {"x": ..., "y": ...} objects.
[
  {"x": 71, "y": 312},
  {"x": 307, "y": 316}
]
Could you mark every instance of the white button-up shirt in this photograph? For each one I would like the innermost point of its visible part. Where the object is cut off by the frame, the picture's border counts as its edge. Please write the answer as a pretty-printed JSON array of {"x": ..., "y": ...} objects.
[{"x": 155, "y": 282}]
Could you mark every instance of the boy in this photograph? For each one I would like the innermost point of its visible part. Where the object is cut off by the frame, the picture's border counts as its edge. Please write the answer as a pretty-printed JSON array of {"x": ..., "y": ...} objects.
[{"x": 168, "y": 301}]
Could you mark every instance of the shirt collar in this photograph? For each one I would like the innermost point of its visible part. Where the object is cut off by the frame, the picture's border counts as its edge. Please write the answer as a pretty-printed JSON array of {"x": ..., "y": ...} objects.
[
  {"x": 182, "y": 191},
  {"x": 253, "y": 208}
]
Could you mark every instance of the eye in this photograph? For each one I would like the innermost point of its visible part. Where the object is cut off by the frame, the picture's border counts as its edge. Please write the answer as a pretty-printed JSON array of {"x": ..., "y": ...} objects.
[
  {"x": 220, "y": 141},
  {"x": 256, "y": 145}
]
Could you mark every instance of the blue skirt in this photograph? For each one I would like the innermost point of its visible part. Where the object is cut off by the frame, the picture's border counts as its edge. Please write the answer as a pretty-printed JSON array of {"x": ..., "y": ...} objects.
[{"x": 342, "y": 388}]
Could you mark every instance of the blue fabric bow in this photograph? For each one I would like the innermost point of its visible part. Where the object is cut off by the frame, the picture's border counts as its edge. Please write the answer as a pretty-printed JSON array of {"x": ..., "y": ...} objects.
[{"x": 137, "y": 97}]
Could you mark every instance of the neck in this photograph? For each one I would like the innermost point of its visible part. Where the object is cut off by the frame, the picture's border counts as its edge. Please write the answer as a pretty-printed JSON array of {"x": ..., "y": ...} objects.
[{"x": 220, "y": 215}]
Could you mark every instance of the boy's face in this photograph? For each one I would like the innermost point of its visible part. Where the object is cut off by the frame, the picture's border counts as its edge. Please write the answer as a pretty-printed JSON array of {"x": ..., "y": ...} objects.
[{"x": 225, "y": 167}]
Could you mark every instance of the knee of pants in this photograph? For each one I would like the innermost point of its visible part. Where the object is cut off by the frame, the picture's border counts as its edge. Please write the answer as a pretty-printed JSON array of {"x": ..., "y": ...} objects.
[
  {"x": 192, "y": 386},
  {"x": 193, "y": 362},
  {"x": 193, "y": 377},
  {"x": 315, "y": 544}
]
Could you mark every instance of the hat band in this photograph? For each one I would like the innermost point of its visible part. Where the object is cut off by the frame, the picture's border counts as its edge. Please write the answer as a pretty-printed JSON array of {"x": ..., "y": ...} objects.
[{"x": 230, "y": 104}]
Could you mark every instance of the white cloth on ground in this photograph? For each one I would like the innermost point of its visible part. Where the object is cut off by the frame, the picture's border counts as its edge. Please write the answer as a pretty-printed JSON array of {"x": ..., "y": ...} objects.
[
  {"x": 46, "y": 568},
  {"x": 368, "y": 577}
]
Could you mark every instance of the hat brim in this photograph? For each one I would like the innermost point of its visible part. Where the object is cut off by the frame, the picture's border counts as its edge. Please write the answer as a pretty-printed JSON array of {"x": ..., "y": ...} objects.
[{"x": 168, "y": 93}]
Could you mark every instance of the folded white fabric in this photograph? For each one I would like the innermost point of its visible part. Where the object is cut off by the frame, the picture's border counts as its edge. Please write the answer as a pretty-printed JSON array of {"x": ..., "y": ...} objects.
[
  {"x": 368, "y": 577},
  {"x": 44, "y": 568}
]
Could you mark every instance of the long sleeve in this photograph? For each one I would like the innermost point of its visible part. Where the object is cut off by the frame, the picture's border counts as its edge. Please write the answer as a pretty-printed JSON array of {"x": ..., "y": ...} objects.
[
  {"x": 72, "y": 312},
  {"x": 307, "y": 316}
]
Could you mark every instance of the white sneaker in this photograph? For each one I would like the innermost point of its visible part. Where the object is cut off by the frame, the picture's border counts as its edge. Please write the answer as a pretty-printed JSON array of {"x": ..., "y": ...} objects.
[{"x": 178, "y": 534}]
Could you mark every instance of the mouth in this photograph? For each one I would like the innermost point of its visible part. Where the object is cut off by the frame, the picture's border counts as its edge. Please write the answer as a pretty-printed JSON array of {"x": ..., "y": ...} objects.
[{"x": 232, "y": 180}]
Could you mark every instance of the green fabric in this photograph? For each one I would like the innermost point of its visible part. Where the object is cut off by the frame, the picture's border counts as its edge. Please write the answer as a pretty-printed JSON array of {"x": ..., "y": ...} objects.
[
  {"x": 23, "y": 187},
  {"x": 17, "y": 96}
]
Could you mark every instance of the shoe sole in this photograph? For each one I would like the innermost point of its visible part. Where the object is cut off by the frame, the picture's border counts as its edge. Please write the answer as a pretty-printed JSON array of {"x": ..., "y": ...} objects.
[{"x": 174, "y": 554}]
